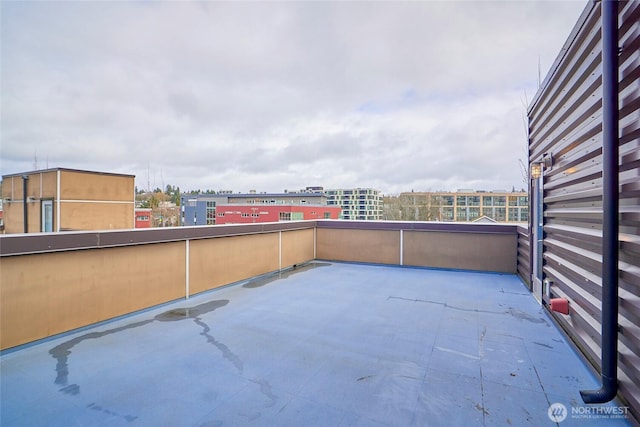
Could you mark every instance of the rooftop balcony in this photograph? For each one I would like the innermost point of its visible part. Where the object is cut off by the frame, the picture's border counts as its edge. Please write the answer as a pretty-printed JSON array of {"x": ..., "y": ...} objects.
[{"x": 296, "y": 323}]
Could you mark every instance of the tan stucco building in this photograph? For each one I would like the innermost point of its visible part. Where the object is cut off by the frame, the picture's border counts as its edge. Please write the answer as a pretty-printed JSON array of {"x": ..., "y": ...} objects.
[{"x": 67, "y": 199}]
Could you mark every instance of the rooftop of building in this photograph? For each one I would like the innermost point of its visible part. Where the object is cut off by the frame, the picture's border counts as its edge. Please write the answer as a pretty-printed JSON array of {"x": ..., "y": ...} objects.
[
  {"x": 256, "y": 195},
  {"x": 464, "y": 191},
  {"x": 38, "y": 171},
  {"x": 253, "y": 205},
  {"x": 321, "y": 344}
]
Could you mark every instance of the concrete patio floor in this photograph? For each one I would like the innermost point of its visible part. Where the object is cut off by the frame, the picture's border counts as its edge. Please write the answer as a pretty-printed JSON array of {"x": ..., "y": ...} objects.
[{"x": 327, "y": 344}]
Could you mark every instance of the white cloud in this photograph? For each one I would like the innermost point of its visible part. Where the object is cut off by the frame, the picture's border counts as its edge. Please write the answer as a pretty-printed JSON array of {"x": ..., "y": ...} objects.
[{"x": 267, "y": 96}]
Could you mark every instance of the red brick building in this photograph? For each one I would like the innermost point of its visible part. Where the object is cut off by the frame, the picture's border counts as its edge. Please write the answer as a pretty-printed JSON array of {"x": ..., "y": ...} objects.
[{"x": 243, "y": 214}]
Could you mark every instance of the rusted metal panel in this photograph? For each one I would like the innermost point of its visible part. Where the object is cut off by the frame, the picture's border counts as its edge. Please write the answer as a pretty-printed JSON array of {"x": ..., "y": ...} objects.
[{"x": 565, "y": 122}]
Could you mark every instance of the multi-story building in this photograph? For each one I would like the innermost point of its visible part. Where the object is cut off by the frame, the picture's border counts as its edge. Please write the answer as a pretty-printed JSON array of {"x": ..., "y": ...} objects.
[
  {"x": 62, "y": 199},
  {"x": 357, "y": 203},
  {"x": 459, "y": 206},
  {"x": 201, "y": 209},
  {"x": 245, "y": 214}
]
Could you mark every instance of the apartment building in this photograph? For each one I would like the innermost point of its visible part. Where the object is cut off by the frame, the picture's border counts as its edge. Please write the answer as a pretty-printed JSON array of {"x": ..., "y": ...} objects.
[
  {"x": 62, "y": 199},
  {"x": 357, "y": 203},
  {"x": 460, "y": 206},
  {"x": 201, "y": 209},
  {"x": 247, "y": 214}
]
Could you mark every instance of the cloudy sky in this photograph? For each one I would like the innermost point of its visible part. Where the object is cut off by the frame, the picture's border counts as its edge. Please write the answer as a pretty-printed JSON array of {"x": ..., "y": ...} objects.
[{"x": 270, "y": 96}]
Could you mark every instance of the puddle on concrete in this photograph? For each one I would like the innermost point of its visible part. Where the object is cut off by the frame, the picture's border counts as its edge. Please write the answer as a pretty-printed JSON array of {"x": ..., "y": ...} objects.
[
  {"x": 446, "y": 305},
  {"x": 256, "y": 283},
  {"x": 265, "y": 390},
  {"x": 522, "y": 315},
  {"x": 518, "y": 314},
  {"x": 127, "y": 418},
  {"x": 542, "y": 344},
  {"x": 62, "y": 351},
  {"x": 226, "y": 353},
  {"x": 191, "y": 312},
  {"x": 72, "y": 389}
]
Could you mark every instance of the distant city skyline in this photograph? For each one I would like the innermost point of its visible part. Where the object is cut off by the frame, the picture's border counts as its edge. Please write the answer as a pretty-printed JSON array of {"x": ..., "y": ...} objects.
[{"x": 388, "y": 95}]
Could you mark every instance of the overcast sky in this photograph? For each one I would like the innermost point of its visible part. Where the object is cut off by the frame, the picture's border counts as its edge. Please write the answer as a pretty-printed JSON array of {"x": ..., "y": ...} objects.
[{"x": 397, "y": 96}]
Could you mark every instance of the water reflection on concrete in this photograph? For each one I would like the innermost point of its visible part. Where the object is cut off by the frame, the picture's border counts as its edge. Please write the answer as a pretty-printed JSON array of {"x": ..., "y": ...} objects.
[
  {"x": 256, "y": 283},
  {"x": 62, "y": 351}
]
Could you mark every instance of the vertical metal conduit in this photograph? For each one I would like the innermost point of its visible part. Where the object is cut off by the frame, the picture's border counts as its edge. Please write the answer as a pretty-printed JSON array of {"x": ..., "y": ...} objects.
[{"x": 609, "y": 345}]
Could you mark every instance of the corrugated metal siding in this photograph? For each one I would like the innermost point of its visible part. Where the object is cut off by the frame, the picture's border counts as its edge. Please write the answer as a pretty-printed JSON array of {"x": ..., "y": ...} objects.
[
  {"x": 524, "y": 255},
  {"x": 565, "y": 119}
]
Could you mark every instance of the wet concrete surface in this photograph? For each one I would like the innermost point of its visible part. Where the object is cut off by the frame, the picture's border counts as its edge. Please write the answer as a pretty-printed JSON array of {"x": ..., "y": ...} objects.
[{"x": 341, "y": 345}]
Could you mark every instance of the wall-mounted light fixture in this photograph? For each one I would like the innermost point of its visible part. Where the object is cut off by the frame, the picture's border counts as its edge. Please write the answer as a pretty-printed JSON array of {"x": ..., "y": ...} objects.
[
  {"x": 547, "y": 160},
  {"x": 536, "y": 170}
]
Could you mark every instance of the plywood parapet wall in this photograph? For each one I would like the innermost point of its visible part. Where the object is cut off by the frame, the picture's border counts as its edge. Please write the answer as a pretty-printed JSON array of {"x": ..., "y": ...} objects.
[
  {"x": 219, "y": 262},
  {"x": 438, "y": 249},
  {"x": 370, "y": 246},
  {"x": 297, "y": 247},
  {"x": 44, "y": 294},
  {"x": 467, "y": 251}
]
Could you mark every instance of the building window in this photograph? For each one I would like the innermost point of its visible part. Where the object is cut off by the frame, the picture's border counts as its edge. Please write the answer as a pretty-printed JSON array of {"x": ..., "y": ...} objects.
[
  {"x": 461, "y": 200},
  {"x": 210, "y": 212},
  {"x": 245, "y": 215},
  {"x": 447, "y": 214},
  {"x": 447, "y": 200},
  {"x": 327, "y": 215},
  {"x": 284, "y": 216},
  {"x": 221, "y": 214}
]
